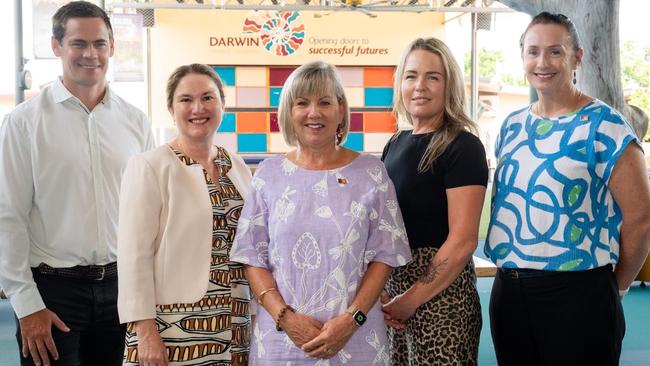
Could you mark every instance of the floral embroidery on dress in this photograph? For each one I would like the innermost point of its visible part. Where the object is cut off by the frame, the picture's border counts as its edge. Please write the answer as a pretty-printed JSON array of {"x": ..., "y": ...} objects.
[{"x": 317, "y": 232}]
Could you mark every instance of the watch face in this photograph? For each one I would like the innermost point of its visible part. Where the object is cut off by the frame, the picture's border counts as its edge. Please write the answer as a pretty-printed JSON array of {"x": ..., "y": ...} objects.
[{"x": 359, "y": 317}]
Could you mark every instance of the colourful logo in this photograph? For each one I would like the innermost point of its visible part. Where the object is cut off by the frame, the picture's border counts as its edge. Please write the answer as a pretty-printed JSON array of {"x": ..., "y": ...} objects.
[{"x": 280, "y": 32}]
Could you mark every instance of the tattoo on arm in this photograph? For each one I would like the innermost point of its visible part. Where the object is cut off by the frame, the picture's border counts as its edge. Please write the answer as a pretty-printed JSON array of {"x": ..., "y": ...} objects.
[{"x": 433, "y": 270}]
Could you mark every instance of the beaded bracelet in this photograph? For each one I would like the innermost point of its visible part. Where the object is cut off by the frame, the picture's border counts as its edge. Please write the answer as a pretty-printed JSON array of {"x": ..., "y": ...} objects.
[
  {"x": 260, "y": 297},
  {"x": 281, "y": 315}
]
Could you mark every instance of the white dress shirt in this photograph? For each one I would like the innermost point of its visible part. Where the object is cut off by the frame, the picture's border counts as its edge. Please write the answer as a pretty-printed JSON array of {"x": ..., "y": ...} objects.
[{"x": 60, "y": 172}]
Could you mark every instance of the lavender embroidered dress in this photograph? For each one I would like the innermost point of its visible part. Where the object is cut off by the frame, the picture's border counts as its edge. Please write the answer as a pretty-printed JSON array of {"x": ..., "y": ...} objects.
[{"x": 317, "y": 231}]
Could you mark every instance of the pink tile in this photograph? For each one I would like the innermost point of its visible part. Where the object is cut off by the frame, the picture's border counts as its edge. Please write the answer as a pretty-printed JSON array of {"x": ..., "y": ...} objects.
[
  {"x": 251, "y": 97},
  {"x": 351, "y": 76},
  {"x": 278, "y": 75},
  {"x": 273, "y": 118},
  {"x": 356, "y": 122}
]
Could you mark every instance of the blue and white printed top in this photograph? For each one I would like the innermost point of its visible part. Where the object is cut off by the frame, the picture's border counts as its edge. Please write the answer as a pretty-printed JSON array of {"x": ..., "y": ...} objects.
[{"x": 551, "y": 205}]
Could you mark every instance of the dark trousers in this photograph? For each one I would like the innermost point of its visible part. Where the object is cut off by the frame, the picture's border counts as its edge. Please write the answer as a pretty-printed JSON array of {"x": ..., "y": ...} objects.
[
  {"x": 563, "y": 318},
  {"x": 89, "y": 309}
]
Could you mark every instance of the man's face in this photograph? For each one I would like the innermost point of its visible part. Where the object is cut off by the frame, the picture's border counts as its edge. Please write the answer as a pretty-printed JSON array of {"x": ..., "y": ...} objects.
[{"x": 84, "y": 52}]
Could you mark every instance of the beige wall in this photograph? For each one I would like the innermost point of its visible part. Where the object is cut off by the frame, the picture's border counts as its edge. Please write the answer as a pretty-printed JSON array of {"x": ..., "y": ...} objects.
[
  {"x": 182, "y": 37},
  {"x": 504, "y": 102}
]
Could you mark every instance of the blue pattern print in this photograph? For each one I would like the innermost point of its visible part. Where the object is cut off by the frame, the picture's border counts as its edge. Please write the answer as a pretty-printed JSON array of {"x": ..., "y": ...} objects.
[{"x": 551, "y": 207}]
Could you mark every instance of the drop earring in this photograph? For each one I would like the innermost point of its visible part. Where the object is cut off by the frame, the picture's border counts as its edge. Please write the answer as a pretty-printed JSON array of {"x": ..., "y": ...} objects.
[
  {"x": 574, "y": 78},
  {"x": 339, "y": 135}
]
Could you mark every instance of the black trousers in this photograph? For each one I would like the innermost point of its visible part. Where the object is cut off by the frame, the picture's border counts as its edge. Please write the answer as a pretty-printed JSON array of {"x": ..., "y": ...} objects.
[
  {"x": 563, "y": 318},
  {"x": 89, "y": 309}
]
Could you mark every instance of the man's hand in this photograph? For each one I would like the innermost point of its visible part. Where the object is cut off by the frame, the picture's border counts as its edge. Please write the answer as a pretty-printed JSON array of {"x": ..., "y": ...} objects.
[{"x": 36, "y": 334}]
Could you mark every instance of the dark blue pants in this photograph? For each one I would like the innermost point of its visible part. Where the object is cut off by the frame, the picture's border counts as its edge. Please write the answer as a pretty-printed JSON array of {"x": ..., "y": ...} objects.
[
  {"x": 567, "y": 318},
  {"x": 89, "y": 309}
]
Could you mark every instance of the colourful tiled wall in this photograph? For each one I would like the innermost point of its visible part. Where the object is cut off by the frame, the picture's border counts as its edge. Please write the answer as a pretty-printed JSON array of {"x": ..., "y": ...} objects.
[{"x": 250, "y": 124}]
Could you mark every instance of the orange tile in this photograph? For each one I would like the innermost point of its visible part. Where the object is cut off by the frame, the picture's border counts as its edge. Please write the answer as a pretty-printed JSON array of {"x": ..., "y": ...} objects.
[
  {"x": 251, "y": 122},
  {"x": 379, "y": 122},
  {"x": 378, "y": 76}
]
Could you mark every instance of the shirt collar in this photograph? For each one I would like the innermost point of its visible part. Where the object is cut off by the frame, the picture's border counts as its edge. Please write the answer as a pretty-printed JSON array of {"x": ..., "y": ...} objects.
[{"x": 61, "y": 93}]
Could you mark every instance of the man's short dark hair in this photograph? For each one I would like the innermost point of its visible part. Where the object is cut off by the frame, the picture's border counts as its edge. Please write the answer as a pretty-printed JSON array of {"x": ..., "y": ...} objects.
[{"x": 77, "y": 9}]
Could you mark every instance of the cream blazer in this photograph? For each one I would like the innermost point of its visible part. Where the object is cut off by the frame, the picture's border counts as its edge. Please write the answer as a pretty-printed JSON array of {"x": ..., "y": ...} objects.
[{"x": 165, "y": 232}]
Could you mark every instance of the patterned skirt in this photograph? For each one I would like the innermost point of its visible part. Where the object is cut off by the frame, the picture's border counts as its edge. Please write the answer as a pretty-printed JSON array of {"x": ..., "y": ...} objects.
[
  {"x": 213, "y": 331},
  {"x": 445, "y": 330}
]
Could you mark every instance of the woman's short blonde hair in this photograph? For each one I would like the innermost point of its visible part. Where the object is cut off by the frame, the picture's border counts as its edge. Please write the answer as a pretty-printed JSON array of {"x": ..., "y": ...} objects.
[{"x": 314, "y": 78}]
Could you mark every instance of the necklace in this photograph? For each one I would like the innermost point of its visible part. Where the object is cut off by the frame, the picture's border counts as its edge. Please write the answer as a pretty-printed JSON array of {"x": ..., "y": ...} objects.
[{"x": 572, "y": 107}]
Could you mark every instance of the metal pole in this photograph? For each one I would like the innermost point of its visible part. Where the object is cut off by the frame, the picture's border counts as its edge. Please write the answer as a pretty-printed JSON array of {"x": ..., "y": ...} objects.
[
  {"x": 474, "y": 82},
  {"x": 18, "y": 47}
]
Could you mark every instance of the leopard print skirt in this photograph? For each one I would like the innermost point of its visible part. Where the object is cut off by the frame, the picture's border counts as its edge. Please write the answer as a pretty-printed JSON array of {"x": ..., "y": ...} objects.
[{"x": 443, "y": 331}]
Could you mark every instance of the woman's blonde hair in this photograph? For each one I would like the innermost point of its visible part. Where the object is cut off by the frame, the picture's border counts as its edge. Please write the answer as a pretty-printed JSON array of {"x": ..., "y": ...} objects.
[
  {"x": 314, "y": 78},
  {"x": 455, "y": 118}
]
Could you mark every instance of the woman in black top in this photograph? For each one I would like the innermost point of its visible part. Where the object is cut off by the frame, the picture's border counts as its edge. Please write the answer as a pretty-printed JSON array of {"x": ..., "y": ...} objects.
[{"x": 440, "y": 173}]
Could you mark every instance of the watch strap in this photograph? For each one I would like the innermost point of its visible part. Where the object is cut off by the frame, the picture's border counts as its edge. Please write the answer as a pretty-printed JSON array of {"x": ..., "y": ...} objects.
[{"x": 357, "y": 315}]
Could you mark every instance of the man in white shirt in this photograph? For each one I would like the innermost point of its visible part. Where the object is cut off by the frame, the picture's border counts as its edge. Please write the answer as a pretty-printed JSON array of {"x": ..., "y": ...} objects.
[{"x": 62, "y": 154}]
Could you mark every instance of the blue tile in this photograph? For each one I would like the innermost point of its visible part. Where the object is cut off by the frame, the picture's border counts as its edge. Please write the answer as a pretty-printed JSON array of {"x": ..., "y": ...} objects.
[
  {"x": 274, "y": 96},
  {"x": 378, "y": 97},
  {"x": 354, "y": 141},
  {"x": 251, "y": 142},
  {"x": 227, "y": 123},
  {"x": 226, "y": 73}
]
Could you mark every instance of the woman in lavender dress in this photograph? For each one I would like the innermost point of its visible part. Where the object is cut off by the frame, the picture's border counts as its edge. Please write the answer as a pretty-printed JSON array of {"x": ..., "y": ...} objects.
[{"x": 319, "y": 235}]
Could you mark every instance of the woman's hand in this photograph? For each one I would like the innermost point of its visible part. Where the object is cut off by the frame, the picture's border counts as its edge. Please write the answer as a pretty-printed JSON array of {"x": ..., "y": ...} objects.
[
  {"x": 385, "y": 298},
  {"x": 335, "y": 334},
  {"x": 398, "y": 310},
  {"x": 300, "y": 328},
  {"x": 151, "y": 349}
]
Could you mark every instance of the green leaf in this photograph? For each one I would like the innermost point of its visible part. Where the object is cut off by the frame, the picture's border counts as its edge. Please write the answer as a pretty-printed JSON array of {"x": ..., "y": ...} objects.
[
  {"x": 544, "y": 126},
  {"x": 574, "y": 194},
  {"x": 567, "y": 266},
  {"x": 575, "y": 233}
]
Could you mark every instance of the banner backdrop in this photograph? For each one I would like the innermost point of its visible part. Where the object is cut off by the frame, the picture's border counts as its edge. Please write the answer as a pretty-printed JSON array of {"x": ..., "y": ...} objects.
[{"x": 270, "y": 38}]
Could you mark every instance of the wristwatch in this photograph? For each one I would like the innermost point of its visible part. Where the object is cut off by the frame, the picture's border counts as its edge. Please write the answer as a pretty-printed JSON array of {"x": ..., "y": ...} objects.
[{"x": 357, "y": 315}]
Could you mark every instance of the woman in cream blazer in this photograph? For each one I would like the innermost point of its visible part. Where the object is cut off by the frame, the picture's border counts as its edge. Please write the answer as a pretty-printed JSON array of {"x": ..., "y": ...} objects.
[{"x": 184, "y": 301}]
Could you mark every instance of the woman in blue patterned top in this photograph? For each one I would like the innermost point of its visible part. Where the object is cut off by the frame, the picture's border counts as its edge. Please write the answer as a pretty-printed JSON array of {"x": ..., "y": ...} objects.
[{"x": 571, "y": 202}]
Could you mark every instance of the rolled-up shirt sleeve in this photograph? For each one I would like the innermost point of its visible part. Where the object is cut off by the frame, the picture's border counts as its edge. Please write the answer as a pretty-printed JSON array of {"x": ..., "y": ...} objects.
[
  {"x": 139, "y": 223},
  {"x": 16, "y": 197}
]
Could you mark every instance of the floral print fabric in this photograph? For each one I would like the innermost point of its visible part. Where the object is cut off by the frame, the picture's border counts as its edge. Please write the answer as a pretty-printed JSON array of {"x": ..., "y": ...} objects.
[{"x": 317, "y": 231}]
